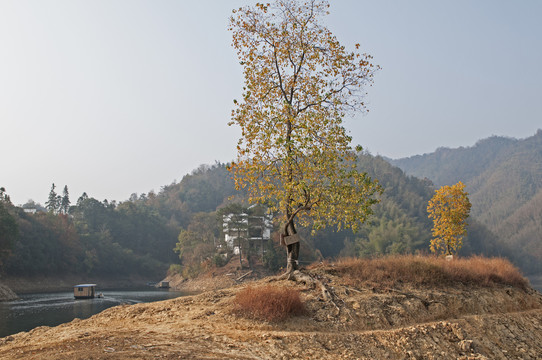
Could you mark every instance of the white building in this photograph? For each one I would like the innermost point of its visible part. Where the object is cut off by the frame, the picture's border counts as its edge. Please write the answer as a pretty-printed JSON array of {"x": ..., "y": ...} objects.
[{"x": 256, "y": 230}]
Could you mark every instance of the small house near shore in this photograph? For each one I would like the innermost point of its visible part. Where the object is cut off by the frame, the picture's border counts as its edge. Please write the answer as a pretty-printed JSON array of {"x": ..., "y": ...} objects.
[{"x": 84, "y": 291}]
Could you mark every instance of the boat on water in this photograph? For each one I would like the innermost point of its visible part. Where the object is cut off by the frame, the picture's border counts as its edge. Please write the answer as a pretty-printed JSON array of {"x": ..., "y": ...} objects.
[
  {"x": 164, "y": 285},
  {"x": 85, "y": 291}
]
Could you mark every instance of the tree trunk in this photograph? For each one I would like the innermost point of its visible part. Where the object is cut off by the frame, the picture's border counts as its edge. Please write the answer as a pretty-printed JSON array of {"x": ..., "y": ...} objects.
[
  {"x": 240, "y": 255},
  {"x": 239, "y": 245},
  {"x": 293, "y": 256}
]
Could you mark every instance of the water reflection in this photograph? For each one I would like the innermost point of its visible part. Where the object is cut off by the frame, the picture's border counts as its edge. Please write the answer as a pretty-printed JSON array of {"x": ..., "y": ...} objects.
[{"x": 52, "y": 309}]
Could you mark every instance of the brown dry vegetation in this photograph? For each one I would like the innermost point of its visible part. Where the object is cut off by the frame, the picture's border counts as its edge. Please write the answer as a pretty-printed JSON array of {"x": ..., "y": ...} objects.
[
  {"x": 430, "y": 271},
  {"x": 270, "y": 303}
]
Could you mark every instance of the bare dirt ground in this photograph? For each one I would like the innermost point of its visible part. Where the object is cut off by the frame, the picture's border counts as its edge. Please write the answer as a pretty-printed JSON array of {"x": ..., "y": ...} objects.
[{"x": 500, "y": 322}]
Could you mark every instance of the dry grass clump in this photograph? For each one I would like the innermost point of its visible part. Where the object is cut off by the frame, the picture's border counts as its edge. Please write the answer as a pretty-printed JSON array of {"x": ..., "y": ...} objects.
[
  {"x": 269, "y": 303},
  {"x": 430, "y": 271}
]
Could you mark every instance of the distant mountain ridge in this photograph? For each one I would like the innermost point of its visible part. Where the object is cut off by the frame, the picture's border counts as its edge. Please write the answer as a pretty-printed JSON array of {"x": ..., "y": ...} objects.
[{"x": 504, "y": 180}]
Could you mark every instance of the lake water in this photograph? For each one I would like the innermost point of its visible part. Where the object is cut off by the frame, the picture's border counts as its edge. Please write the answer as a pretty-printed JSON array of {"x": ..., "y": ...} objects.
[
  {"x": 51, "y": 309},
  {"x": 536, "y": 282}
]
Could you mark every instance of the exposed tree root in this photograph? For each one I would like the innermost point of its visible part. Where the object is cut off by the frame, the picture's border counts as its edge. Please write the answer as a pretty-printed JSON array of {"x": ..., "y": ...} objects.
[
  {"x": 243, "y": 276},
  {"x": 310, "y": 281}
]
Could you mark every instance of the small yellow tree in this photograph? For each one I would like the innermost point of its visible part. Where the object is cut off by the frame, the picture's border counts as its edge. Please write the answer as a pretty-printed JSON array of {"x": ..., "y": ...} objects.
[{"x": 449, "y": 208}]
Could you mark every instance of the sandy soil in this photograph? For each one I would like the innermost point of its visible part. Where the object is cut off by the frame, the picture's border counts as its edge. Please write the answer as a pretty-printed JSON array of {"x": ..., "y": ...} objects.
[{"x": 403, "y": 323}]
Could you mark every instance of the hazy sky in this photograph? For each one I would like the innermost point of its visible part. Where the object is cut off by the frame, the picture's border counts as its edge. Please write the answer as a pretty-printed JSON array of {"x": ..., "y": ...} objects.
[{"x": 113, "y": 97}]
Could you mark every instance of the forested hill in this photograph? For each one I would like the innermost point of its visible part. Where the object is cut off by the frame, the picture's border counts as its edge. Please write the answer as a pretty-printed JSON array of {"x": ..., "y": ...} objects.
[
  {"x": 106, "y": 238},
  {"x": 138, "y": 236},
  {"x": 399, "y": 224},
  {"x": 504, "y": 180}
]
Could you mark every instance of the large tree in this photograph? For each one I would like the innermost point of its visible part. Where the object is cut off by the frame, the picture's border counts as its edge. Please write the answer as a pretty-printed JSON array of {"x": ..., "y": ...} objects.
[{"x": 300, "y": 82}]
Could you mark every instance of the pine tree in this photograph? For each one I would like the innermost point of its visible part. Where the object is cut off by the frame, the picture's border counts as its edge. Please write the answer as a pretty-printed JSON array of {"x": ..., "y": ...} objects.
[
  {"x": 65, "y": 201},
  {"x": 4, "y": 197},
  {"x": 52, "y": 203}
]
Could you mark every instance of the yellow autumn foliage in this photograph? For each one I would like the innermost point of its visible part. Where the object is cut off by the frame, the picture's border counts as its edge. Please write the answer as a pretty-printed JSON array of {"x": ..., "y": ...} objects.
[
  {"x": 449, "y": 208},
  {"x": 294, "y": 155}
]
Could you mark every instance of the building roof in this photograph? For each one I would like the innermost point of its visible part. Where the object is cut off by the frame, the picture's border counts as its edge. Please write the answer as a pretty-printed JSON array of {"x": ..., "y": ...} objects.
[{"x": 85, "y": 285}]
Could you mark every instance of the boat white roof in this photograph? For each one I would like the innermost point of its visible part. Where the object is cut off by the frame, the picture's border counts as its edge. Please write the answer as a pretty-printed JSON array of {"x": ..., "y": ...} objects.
[{"x": 85, "y": 285}]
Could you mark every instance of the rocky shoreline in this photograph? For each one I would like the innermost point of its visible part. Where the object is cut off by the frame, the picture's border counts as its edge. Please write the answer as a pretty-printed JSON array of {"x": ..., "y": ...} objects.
[{"x": 6, "y": 294}]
